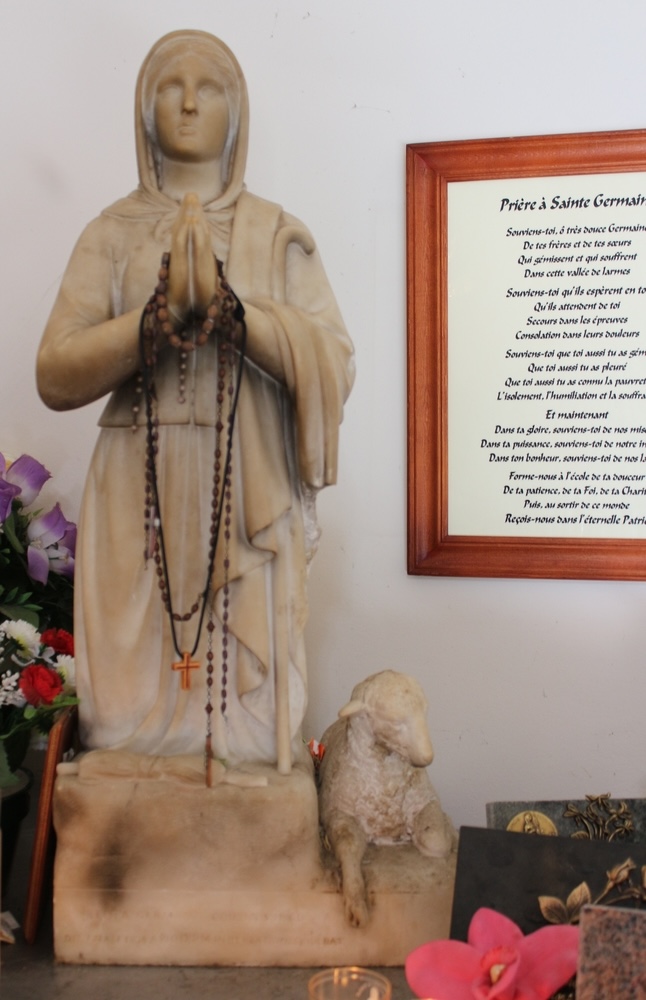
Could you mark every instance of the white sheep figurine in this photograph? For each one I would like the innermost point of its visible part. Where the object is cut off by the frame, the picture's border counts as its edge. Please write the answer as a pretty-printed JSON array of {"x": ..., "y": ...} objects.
[{"x": 374, "y": 787}]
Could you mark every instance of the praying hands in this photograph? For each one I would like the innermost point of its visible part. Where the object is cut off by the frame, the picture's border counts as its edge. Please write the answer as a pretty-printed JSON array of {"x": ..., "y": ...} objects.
[{"x": 192, "y": 277}]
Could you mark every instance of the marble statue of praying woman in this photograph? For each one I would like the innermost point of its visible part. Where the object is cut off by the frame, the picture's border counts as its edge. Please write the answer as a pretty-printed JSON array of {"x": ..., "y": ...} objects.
[{"x": 171, "y": 643}]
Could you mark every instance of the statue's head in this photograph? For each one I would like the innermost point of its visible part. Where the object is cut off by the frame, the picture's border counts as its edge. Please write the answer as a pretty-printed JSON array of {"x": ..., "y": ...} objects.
[{"x": 194, "y": 67}]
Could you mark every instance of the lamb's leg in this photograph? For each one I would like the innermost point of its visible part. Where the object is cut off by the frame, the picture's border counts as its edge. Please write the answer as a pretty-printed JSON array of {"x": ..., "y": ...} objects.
[
  {"x": 433, "y": 832},
  {"x": 348, "y": 842}
]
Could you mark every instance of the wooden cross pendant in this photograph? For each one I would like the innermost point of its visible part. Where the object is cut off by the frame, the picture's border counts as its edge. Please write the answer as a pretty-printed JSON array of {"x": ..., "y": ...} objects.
[{"x": 186, "y": 664}]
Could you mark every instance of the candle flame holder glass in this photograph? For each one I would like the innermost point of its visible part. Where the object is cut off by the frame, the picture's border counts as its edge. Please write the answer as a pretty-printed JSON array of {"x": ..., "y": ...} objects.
[{"x": 349, "y": 983}]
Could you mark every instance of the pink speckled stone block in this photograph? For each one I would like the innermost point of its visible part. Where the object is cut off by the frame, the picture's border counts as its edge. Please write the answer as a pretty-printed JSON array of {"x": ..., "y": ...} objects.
[{"x": 612, "y": 954}]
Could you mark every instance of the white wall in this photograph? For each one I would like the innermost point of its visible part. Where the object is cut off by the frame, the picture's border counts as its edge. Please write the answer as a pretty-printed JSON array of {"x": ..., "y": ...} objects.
[{"x": 536, "y": 688}]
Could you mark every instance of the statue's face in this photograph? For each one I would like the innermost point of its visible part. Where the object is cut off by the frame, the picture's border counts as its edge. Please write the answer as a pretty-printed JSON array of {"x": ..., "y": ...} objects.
[{"x": 190, "y": 110}]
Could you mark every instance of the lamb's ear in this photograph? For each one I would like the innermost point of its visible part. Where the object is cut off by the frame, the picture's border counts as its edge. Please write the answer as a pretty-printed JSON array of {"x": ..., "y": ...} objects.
[{"x": 352, "y": 708}]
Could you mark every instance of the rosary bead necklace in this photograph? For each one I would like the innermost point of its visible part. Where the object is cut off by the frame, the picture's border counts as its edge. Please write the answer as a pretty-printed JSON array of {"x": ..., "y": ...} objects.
[{"x": 225, "y": 320}]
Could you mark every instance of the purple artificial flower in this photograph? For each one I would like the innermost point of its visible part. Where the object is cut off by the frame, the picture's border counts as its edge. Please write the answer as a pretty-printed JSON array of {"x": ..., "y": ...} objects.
[
  {"x": 25, "y": 477},
  {"x": 7, "y": 493},
  {"x": 52, "y": 543},
  {"x": 61, "y": 558}
]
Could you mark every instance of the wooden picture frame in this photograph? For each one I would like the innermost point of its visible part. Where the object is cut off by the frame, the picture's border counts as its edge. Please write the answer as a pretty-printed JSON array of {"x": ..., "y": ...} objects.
[{"x": 463, "y": 192}]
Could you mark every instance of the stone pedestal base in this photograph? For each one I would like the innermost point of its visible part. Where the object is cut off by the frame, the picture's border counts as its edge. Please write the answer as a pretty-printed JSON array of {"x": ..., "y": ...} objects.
[{"x": 159, "y": 872}]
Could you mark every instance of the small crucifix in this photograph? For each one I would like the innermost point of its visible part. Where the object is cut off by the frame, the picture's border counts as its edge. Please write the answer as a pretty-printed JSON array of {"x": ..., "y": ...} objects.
[{"x": 186, "y": 664}]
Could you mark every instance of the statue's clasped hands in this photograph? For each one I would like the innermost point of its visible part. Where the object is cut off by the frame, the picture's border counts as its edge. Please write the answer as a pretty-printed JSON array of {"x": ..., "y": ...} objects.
[
  {"x": 193, "y": 282},
  {"x": 192, "y": 297}
]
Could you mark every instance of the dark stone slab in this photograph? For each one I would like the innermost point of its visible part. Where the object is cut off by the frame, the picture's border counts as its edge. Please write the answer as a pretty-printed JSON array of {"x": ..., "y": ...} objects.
[
  {"x": 508, "y": 873},
  {"x": 594, "y": 817},
  {"x": 612, "y": 957}
]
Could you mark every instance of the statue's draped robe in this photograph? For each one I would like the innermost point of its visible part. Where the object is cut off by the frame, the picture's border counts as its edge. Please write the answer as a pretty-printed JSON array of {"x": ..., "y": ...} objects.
[{"x": 284, "y": 451}]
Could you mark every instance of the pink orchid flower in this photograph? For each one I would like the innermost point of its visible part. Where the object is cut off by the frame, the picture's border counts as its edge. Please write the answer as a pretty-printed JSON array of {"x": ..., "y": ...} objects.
[
  {"x": 499, "y": 962},
  {"x": 23, "y": 478},
  {"x": 52, "y": 543}
]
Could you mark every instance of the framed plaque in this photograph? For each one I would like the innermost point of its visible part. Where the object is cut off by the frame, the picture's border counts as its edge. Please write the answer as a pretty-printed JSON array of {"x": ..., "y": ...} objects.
[{"x": 527, "y": 356}]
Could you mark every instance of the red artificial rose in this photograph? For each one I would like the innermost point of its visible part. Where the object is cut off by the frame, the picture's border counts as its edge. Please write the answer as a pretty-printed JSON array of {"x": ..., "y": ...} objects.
[
  {"x": 40, "y": 685},
  {"x": 60, "y": 640}
]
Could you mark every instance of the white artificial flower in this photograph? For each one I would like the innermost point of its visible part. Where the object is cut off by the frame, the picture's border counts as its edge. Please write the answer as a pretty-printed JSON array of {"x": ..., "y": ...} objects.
[
  {"x": 48, "y": 655},
  {"x": 66, "y": 668},
  {"x": 27, "y": 637},
  {"x": 10, "y": 693}
]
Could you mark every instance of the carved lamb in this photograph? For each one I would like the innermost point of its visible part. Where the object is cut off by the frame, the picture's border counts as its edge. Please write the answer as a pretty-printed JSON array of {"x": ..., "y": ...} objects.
[{"x": 374, "y": 784}]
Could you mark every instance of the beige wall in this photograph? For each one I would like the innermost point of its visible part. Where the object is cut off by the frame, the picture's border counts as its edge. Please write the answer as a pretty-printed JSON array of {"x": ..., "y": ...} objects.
[{"x": 537, "y": 688}]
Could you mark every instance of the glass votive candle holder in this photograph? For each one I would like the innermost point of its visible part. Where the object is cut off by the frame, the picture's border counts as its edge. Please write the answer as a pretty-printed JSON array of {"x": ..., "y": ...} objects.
[{"x": 350, "y": 982}]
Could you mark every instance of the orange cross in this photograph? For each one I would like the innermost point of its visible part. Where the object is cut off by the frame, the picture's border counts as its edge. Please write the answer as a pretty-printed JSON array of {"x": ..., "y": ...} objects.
[{"x": 186, "y": 664}]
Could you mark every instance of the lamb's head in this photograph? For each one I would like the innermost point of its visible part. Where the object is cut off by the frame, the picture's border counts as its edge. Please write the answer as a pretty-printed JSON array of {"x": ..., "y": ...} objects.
[{"x": 394, "y": 706}]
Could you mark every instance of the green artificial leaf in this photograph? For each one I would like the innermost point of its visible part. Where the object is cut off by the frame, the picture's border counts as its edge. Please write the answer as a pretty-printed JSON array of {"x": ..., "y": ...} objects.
[
  {"x": 7, "y": 776},
  {"x": 23, "y": 601},
  {"x": 27, "y": 613},
  {"x": 9, "y": 527}
]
